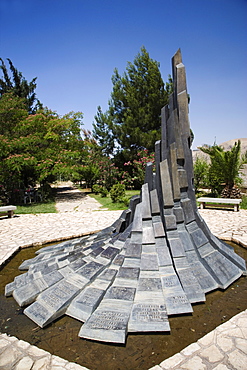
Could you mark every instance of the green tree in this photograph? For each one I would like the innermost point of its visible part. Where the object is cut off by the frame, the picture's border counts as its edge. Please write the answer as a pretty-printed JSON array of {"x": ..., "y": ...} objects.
[
  {"x": 136, "y": 102},
  {"x": 201, "y": 169},
  {"x": 36, "y": 148},
  {"x": 88, "y": 169},
  {"x": 133, "y": 177},
  {"x": 12, "y": 111},
  {"x": 19, "y": 86},
  {"x": 224, "y": 169},
  {"x": 102, "y": 131},
  {"x": 96, "y": 166},
  {"x": 132, "y": 121}
]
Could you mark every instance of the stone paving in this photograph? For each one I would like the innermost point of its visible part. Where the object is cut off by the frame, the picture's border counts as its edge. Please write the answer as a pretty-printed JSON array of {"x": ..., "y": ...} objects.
[
  {"x": 223, "y": 348},
  {"x": 19, "y": 355},
  {"x": 227, "y": 225},
  {"x": 73, "y": 220}
]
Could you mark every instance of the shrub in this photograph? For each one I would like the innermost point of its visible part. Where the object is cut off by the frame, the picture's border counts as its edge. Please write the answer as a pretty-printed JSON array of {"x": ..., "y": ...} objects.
[
  {"x": 47, "y": 193},
  {"x": 117, "y": 192},
  {"x": 103, "y": 191},
  {"x": 4, "y": 197},
  {"x": 224, "y": 169},
  {"x": 125, "y": 201},
  {"x": 243, "y": 205},
  {"x": 96, "y": 188},
  {"x": 135, "y": 174},
  {"x": 201, "y": 169}
]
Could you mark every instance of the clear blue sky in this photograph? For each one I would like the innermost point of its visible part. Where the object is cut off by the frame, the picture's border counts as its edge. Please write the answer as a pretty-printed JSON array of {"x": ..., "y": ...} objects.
[{"x": 73, "y": 46}]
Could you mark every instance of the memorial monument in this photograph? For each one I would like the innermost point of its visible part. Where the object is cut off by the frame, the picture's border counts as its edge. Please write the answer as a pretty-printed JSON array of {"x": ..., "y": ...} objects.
[{"x": 156, "y": 260}]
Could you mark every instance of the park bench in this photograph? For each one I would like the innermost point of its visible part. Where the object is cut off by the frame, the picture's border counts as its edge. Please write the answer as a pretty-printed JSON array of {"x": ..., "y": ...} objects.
[
  {"x": 234, "y": 202},
  {"x": 7, "y": 211}
]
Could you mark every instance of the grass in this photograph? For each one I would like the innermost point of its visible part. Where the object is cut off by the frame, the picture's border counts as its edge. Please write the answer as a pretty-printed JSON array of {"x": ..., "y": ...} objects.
[
  {"x": 106, "y": 202},
  {"x": 34, "y": 208},
  {"x": 243, "y": 204}
]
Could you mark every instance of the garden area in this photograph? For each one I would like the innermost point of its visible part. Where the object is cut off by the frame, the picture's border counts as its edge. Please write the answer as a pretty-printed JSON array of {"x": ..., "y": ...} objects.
[{"x": 38, "y": 147}]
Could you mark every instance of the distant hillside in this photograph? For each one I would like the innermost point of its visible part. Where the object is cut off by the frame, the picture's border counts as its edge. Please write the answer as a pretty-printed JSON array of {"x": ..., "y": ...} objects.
[{"x": 227, "y": 145}]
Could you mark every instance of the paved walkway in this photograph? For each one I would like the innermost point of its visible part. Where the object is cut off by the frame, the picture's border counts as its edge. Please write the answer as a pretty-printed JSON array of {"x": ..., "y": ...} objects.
[
  {"x": 227, "y": 225},
  {"x": 223, "y": 348},
  {"x": 78, "y": 215}
]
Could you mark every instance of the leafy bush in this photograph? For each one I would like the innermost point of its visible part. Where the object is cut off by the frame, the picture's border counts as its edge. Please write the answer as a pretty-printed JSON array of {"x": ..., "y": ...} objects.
[
  {"x": 125, "y": 201},
  {"x": 47, "y": 193},
  {"x": 133, "y": 178},
  {"x": 4, "y": 196},
  {"x": 201, "y": 169},
  {"x": 243, "y": 204},
  {"x": 224, "y": 169},
  {"x": 103, "y": 191},
  {"x": 117, "y": 192},
  {"x": 96, "y": 188}
]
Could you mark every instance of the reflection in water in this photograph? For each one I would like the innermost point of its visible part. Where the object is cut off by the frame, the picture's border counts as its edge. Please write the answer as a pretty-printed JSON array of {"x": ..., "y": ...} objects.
[{"x": 141, "y": 351}]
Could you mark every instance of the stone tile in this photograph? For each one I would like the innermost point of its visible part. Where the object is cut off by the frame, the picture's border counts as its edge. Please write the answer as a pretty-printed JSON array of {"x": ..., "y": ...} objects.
[
  {"x": 194, "y": 363},
  {"x": 190, "y": 349},
  {"x": 237, "y": 360},
  {"x": 212, "y": 354},
  {"x": 242, "y": 345},
  {"x": 73, "y": 366},
  {"x": 172, "y": 361},
  {"x": 25, "y": 363},
  {"x": 242, "y": 321},
  {"x": 240, "y": 316},
  {"x": 10, "y": 339},
  {"x": 207, "y": 339},
  {"x": 221, "y": 367},
  {"x": 58, "y": 361},
  {"x": 23, "y": 345},
  {"x": 226, "y": 326},
  {"x": 3, "y": 343},
  {"x": 9, "y": 357},
  {"x": 244, "y": 332},
  {"x": 236, "y": 333},
  {"x": 225, "y": 343},
  {"x": 42, "y": 363},
  {"x": 35, "y": 351}
]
